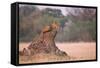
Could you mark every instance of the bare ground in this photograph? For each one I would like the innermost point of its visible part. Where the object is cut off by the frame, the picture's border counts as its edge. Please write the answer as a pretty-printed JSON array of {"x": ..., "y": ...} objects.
[{"x": 76, "y": 51}]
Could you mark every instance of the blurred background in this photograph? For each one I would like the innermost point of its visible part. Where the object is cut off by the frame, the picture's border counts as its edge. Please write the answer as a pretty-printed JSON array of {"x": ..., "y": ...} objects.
[{"x": 76, "y": 24}]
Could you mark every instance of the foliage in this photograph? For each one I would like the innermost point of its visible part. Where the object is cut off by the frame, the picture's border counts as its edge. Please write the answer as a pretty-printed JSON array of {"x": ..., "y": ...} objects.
[{"x": 73, "y": 27}]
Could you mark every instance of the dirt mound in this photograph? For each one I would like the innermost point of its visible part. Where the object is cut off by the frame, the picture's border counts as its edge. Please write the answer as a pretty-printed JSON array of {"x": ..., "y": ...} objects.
[{"x": 44, "y": 43}]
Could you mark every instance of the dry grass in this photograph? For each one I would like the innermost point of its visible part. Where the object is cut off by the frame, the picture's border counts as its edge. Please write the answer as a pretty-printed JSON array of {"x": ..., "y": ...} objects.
[
  {"x": 38, "y": 58},
  {"x": 77, "y": 51}
]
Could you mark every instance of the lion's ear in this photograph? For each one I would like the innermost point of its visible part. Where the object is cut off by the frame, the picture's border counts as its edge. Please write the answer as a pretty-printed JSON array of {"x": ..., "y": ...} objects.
[{"x": 55, "y": 24}]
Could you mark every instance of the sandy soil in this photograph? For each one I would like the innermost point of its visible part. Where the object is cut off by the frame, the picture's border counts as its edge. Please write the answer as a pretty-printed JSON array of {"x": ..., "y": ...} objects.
[{"x": 77, "y": 51}]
